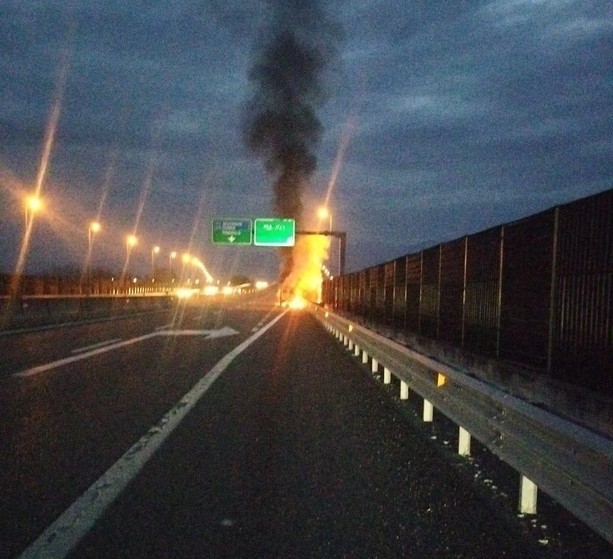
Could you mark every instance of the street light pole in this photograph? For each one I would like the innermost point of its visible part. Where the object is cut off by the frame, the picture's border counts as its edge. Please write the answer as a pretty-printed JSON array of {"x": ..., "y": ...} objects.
[
  {"x": 155, "y": 250},
  {"x": 171, "y": 257},
  {"x": 130, "y": 242},
  {"x": 33, "y": 204},
  {"x": 323, "y": 212},
  {"x": 93, "y": 228}
]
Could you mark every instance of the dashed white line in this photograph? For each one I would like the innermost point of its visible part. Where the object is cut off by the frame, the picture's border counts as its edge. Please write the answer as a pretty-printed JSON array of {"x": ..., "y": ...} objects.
[{"x": 95, "y": 346}]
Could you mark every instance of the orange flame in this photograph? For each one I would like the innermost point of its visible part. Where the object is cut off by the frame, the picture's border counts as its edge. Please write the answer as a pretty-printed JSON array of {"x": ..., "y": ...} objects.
[{"x": 304, "y": 281}]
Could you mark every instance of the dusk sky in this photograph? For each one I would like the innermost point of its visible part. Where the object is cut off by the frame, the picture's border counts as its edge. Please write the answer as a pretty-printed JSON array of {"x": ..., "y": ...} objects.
[{"x": 440, "y": 118}]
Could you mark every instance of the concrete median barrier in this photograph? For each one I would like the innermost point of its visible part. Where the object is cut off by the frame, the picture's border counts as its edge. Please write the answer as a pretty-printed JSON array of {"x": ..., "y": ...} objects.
[{"x": 37, "y": 311}]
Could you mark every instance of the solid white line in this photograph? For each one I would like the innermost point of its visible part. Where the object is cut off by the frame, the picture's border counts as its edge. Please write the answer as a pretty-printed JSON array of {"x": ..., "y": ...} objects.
[
  {"x": 57, "y": 541},
  {"x": 95, "y": 346}
]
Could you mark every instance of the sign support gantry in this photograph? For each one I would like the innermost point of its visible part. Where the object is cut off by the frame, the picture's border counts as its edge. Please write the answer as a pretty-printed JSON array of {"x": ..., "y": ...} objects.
[{"x": 342, "y": 248}]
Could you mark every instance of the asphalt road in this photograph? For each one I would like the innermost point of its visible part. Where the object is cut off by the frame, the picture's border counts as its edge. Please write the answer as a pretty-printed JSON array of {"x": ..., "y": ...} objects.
[{"x": 290, "y": 449}]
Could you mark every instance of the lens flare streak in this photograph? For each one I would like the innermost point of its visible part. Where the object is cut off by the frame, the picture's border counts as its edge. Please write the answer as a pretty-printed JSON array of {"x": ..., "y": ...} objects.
[{"x": 50, "y": 133}]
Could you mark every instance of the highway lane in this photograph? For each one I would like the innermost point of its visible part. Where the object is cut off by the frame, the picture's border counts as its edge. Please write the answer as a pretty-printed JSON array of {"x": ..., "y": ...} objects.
[
  {"x": 292, "y": 452},
  {"x": 26, "y": 349},
  {"x": 62, "y": 428}
]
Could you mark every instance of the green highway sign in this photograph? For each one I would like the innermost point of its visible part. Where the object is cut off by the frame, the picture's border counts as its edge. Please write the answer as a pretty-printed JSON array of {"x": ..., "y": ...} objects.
[
  {"x": 274, "y": 232},
  {"x": 229, "y": 231}
]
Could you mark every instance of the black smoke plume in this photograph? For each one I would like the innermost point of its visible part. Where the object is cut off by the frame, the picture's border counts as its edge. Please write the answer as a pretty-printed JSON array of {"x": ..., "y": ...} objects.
[{"x": 288, "y": 75}]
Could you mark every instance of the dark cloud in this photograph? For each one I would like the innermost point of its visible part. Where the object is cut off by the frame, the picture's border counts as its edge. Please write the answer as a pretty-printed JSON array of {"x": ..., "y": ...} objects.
[{"x": 463, "y": 114}]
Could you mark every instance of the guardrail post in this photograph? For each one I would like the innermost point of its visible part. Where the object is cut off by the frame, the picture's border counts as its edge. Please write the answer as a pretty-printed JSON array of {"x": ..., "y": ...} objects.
[
  {"x": 528, "y": 494},
  {"x": 404, "y": 390},
  {"x": 464, "y": 442},
  {"x": 428, "y": 411},
  {"x": 364, "y": 357},
  {"x": 356, "y": 350},
  {"x": 586, "y": 497},
  {"x": 374, "y": 368},
  {"x": 350, "y": 344},
  {"x": 387, "y": 375}
]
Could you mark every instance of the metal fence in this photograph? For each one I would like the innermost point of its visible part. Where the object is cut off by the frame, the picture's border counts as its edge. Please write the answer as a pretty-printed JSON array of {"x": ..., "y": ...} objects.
[
  {"x": 536, "y": 292},
  {"x": 60, "y": 286}
]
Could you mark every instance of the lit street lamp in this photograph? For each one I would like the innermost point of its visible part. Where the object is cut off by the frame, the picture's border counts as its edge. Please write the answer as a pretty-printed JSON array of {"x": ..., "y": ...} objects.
[
  {"x": 324, "y": 213},
  {"x": 33, "y": 205},
  {"x": 131, "y": 241}
]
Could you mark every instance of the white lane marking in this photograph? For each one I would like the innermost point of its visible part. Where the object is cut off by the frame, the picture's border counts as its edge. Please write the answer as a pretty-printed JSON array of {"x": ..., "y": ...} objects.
[
  {"x": 95, "y": 346},
  {"x": 67, "y": 360},
  {"x": 225, "y": 331},
  {"x": 62, "y": 536},
  {"x": 259, "y": 324}
]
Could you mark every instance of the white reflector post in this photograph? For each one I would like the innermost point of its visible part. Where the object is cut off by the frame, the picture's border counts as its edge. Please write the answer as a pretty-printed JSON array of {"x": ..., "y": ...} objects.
[
  {"x": 464, "y": 442},
  {"x": 428, "y": 411},
  {"x": 387, "y": 375},
  {"x": 374, "y": 366},
  {"x": 404, "y": 390},
  {"x": 364, "y": 357},
  {"x": 528, "y": 493}
]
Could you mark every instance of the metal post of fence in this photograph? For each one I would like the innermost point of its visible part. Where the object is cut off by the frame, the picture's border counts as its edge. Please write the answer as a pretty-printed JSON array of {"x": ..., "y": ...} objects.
[{"x": 552, "y": 295}]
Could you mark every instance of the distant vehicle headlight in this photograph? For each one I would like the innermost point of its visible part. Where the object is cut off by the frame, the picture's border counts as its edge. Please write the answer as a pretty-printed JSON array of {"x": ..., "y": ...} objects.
[
  {"x": 210, "y": 290},
  {"x": 184, "y": 292}
]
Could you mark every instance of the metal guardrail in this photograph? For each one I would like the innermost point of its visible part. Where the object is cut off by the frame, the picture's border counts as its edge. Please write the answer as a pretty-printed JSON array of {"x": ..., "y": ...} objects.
[{"x": 568, "y": 462}]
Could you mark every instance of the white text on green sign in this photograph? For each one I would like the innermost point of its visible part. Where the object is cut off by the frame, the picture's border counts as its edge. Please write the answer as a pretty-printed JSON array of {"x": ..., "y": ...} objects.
[
  {"x": 230, "y": 231},
  {"x": 273, "y": 231}
]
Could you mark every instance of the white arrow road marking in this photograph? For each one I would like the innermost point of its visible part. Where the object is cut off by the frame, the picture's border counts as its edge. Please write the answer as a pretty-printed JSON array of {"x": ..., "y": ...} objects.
[
  {"x": 225, "y": 331},
  {"x": 64, "y": 534},
  {"x": 221, "y": 333}
]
